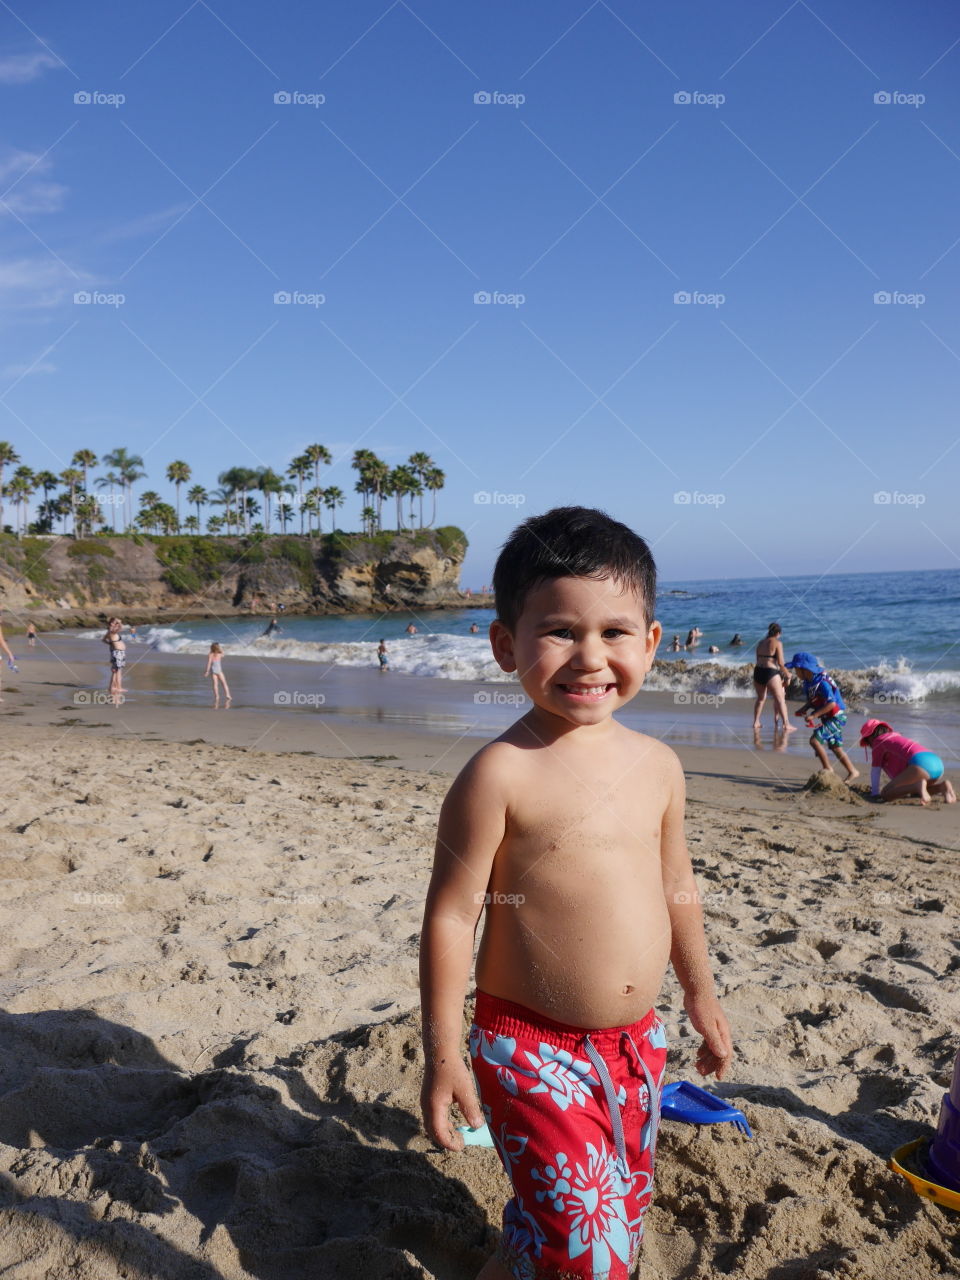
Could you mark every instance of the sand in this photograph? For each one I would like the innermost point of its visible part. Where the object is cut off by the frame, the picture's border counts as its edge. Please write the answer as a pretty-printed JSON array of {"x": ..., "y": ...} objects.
[{"x": 209, "y": 1050}]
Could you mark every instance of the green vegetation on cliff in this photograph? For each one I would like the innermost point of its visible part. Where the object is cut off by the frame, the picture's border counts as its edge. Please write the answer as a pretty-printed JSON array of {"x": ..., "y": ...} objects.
[{"x": 192, "y": 563}]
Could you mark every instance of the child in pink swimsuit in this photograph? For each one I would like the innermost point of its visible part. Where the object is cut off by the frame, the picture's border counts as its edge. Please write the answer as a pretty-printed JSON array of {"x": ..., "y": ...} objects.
[{"x": 913, "y": 770}]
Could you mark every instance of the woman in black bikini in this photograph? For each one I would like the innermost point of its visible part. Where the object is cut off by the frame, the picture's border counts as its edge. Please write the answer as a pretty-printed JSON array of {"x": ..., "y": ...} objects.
[{"x": 771, "y": 676}]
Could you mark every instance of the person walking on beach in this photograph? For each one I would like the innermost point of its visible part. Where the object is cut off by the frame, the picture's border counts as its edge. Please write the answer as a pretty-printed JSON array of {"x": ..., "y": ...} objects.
[
  {"x": 824, "y": 702},
  {"x": 585, "y": 905},
  {"x": 771, "y": 676},
  {"x": 215, "y": 671},
  {"x": 913, "y": 770},
  {"x": 118, "y": 654},
  {"x": 5, "y": 648},
  {"x": 31, "y": 635},
  {"x": 382, "y": 655}
]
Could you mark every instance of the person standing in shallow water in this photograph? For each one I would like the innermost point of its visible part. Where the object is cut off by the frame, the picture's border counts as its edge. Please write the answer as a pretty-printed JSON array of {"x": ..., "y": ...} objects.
[
  {"x": 771, "y": 676},
  {"x": 215, "y": 672},
  {"x": 5, "y": 648}
]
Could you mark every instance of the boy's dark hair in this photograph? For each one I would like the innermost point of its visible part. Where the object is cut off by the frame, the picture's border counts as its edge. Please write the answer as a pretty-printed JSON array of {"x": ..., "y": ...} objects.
[{"x": 571, "y": 542}]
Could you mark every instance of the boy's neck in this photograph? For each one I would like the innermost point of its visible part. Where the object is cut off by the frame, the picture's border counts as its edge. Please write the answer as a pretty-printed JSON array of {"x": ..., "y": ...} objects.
[{"x": 548, "y": 728}]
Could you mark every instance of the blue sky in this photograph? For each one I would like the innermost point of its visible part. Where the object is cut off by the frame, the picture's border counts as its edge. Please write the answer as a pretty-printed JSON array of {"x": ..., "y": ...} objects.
[{"x": 781, "y": 197}]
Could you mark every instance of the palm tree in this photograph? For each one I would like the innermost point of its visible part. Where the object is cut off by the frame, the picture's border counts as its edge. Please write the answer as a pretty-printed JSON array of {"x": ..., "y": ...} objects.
[
  {"x": 178, "y": 473},
  {"x": 285, "y": 509},
  {"x": 109, "y": 481},
  {"x": 60, "y": 506},
  {"x": 269, "y": 484},
  {"x": 88, "y": 513},
  {"x": 317, "y": 453},
  {"x": 316, "y": 505},
  {"x": 402, "y": 481},
  {"x": 72, "y": 478},
  {"x": 222, "y": 497},
  {"x": 198, "y": 498},
  {"x": 360, "y": 462},
  {"x": 420, "y": 464},
  {"x": 8, "y": 456},
  {"x": 434, "y": 480},
  {"x": 285, "y": 512},
  {"x": 166, "y": 517},
  {"x": 20, "y": 488},
  {"x": 333, "y": 498},
  {"x": 297, "y": 469},
  {"x": 368, "y": 516},
  {"x": 46, "y": 481},
  {"x": 192, "y": 524},
  {"x": 311, "y": 506},
  {"x": 149, "y": 502},
  {"x": 415, "y": 490},
  {"x": 129, "y": 468},
  {"x": 239, "y": 481},
  {"x": 214, "y": 524},
  {"x": 84, "y": 459},
  {"x": 377, "y": 473}
]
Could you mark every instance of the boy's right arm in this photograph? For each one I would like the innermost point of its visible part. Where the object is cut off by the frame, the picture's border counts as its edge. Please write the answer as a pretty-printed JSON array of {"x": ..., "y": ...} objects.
[{"x": 471, "y": 829}]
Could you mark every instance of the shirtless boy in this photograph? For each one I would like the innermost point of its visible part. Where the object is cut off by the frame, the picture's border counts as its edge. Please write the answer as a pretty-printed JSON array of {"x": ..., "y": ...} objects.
[{"x": 569, "y": 830}]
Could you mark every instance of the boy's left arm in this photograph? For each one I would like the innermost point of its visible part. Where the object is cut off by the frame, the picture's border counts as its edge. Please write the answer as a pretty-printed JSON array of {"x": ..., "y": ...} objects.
[{"x": 688, "y": 949}]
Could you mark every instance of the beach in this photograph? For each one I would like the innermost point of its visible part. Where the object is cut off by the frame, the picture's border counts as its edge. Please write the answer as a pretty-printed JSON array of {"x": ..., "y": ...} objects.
[{"x": 211, "y": 1056}]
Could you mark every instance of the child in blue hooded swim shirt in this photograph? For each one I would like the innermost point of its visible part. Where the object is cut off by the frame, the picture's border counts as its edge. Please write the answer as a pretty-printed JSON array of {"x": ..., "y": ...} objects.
[{"x": 824, "y": 702}]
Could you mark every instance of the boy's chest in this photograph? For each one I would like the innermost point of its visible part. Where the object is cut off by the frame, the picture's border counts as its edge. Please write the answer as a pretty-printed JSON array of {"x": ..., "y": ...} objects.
[{"x": 573, "y": 815}]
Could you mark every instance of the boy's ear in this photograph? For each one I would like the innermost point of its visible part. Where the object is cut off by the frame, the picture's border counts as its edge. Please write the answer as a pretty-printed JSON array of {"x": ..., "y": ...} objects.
[
  {"x": 654, "y": 636},
  {"x": 501, "y": 642}
]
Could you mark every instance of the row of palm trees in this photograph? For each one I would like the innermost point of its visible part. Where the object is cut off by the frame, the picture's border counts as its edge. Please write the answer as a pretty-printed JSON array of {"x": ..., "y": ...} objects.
[{"x": 292, "y": 499}]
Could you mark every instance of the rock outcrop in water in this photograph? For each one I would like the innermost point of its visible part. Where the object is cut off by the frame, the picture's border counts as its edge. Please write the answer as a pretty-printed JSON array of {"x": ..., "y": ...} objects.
[{"x": 148, "y": 577}]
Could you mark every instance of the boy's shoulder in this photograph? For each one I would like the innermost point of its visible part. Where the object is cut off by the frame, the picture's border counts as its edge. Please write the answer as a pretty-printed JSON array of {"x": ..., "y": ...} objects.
[
  {"x": 653, "y": 753},
  {"x": 495, "y": 759}
]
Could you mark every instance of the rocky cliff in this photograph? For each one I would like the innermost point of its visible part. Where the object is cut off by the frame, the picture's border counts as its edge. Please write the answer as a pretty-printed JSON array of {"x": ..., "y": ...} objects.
[{"x": 147, "y": 577}]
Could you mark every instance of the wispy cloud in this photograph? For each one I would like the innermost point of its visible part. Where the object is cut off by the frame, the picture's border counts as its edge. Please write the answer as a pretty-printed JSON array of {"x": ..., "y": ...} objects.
[
  {"x": 37, "y": 197},
  {"x": 25, "y": 370},
  {"x": 147, "y": 224},
  {"x": 36, "y": 283},
  {"x": 21, "y": 68},
  {"x": 25, "y": 189}
]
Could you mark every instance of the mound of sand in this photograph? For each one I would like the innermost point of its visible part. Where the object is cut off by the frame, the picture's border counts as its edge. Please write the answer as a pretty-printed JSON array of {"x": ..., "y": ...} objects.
[{"x": 825, "y": 782}]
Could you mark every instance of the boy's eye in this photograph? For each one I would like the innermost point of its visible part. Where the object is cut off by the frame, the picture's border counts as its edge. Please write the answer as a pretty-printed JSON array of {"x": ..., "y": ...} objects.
[{"x": 566, "y": 631}]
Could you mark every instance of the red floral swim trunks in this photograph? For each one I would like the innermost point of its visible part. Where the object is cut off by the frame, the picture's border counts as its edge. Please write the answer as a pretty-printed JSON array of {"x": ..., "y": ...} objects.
[{"x": 574, "y": 1115}]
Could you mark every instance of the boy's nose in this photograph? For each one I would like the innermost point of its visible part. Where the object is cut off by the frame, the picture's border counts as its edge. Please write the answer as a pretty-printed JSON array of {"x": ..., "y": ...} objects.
[{"x": 588, "y": 656}]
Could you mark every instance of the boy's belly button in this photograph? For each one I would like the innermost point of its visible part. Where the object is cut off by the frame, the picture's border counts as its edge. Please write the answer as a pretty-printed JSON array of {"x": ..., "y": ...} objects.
[{"x": 628, "y": 989}]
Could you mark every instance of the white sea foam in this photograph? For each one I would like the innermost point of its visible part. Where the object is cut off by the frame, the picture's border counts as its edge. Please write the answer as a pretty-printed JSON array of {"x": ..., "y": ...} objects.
[{"x": 458, "y": 657}]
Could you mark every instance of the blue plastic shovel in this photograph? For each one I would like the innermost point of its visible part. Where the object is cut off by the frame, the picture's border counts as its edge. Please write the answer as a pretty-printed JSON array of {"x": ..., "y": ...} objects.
[{"x": 693, "y": 1105}]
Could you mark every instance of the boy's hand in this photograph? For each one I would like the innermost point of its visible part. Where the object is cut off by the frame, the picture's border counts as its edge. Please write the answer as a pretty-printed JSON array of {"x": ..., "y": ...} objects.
[
  {"x": 716, "y": 1051},
  {"x": 449, "y": 1083}
]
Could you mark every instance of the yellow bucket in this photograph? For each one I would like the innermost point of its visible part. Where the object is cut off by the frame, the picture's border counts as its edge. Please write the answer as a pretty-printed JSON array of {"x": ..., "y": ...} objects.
[{"x": 905, "y": 1162}]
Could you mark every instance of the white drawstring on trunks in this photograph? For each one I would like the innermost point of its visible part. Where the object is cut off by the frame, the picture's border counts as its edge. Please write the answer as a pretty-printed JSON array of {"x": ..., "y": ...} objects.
[{"x": 613, "y": 1106}]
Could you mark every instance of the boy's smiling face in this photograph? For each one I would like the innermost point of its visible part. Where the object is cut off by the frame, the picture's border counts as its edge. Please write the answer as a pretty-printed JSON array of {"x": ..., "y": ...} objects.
[{"x": 581, "y": 647}]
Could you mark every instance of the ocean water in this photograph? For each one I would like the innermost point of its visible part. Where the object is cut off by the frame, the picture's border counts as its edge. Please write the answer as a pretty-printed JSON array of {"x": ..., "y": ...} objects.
[{"x": 889, "y": 637}]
